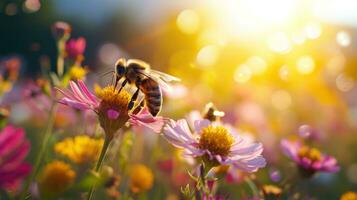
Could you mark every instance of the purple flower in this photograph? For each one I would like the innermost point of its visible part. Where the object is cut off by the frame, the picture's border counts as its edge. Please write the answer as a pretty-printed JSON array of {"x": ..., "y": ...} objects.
[
  {"x": 75, "y": 48},
  {"x": 14, "y": 147},
  {"x": 309, "y": 160},
  {"x": 215, "y": 145}
]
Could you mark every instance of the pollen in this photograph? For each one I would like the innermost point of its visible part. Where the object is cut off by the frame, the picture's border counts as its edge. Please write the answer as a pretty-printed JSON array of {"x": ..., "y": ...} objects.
[
  {"x": 217, "y": 140},
  {"x": 77, "y": 73},
  {"x": 113, "y": 109},
  {"x": 311, "y": 153}
]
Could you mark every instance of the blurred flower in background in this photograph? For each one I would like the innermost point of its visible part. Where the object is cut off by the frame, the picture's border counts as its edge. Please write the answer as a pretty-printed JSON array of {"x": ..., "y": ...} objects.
[
  {"x": 56, "y": 177},
  {"x": 141, "y": 178},
  {"x": 81, "y": 149},
  {"x": 14, "y": 147}
]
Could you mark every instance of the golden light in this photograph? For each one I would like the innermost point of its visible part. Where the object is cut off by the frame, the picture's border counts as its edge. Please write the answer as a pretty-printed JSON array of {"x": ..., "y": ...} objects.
[
  {"x": 207, "y": 56},
  {"x": 343, "y": 38},
  {"x": 305, "y": 65},
  {"x": 298, "y": 37},
  {"x": 284, "y": 73},
  {"x": 312, "y": 30},
  {"x": 281, "y": 99},
  {"x": 344, "y": 83},
  {"x": 279, "y": 42},
  {"x": 188, "y": 21},
  {"x": 243, "y": 17},
  {"x": 257, "y": 64},
  {"x": 242, "y": 74}
]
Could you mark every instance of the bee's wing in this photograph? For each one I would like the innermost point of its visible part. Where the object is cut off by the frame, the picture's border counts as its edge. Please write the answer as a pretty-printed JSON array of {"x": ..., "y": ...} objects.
[
  {"x": 163, "y": 84},
  {"x": 164, "y": 76}
]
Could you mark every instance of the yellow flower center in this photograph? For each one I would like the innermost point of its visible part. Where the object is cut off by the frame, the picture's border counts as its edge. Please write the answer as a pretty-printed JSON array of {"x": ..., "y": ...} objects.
[
  {"x": 77, "y": 73},
  {"x": 217, "y": 140},
  {"x": 113, "y": 102},
  {"x": 311, "y": 153},
  {"x": 56, "y": 177}
]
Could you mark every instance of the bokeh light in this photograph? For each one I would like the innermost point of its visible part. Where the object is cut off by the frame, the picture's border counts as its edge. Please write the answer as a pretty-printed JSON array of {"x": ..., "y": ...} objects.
[
  {"x": 343, "y": 38},
  {"x": 188, "y": 21},
  {"x": 305, "y": 64}
]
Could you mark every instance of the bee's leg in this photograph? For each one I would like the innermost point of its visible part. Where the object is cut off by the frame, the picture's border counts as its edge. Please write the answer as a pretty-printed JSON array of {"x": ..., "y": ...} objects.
[
  {"x": 139, "y": 107},
  {"x": 133, "y": 99},
  {"x": 122, "y": 85}
]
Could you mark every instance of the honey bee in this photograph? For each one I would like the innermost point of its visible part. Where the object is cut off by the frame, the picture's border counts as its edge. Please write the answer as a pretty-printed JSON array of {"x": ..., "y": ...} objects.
[
  {"x": 149, "y": 82},
  {"x": 212, "y": 113}
]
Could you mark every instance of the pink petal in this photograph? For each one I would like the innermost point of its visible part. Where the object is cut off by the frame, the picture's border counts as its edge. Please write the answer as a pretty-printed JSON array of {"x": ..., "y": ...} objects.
[{"x": 200, "y": 124}]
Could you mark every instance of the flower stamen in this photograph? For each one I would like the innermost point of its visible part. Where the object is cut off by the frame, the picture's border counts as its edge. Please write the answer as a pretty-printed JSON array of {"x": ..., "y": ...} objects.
[{"x": 216, "y": 140}]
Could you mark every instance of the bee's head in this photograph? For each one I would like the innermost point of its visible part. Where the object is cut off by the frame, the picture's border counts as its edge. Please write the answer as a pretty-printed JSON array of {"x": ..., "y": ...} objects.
[{"x": 120, "y": 67}]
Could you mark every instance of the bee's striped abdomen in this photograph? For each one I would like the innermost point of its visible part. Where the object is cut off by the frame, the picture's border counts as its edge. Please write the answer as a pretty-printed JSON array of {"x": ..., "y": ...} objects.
[{"x": 153, "y": 95}]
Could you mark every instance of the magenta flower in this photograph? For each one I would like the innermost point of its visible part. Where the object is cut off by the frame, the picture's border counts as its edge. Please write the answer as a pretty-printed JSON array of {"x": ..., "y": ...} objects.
[
  {"x": 14, "y": 147},
  {"x": 215, "y": 145},
  {"x": 110, "y": 106},
  {"x": 75, "y": 48},
  {"x": 309, "y": 160}
]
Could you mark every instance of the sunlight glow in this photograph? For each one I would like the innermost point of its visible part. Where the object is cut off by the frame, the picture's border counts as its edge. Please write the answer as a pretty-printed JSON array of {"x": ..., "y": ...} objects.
[{"x": 188, "y": 21}]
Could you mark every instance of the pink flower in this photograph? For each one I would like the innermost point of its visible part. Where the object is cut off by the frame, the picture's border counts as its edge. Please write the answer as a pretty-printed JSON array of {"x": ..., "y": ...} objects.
[
  {"x": 309, "y": 160},
  {"x": 14, "y": 147},
  {"x": 215, "y": 145},
  {"x": 75, "y": 48},
  {"x": 145, "y": 120},
  {"x": 61, "y": 30},
  {"x": 110, "y": 106}
]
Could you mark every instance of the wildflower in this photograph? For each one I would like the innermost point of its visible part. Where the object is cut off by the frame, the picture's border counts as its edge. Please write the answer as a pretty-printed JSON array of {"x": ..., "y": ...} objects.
[
  {"x": 166, "y": 166},
  {"x": 61, "y": 30},
  {"x": 215, "y": 145},
  {"x": 349, "y": 196},
  {"x": 210, "y": 113},
  {"x": 75, "y": 48},
  {"x": 271, "y": 191},
  {"x": 141, "y": 178},
  {"x": 308, "y": 132},
  {"x": 77, "y": 73},
  {"x": 309, "y": 160},
  {"x": 14, "y": 147},
  {"x": 56, "y": 178},
  {"x": 9, "y": 72},
  {"x": 80, "y": 149},
  {"x": 110, "y": 106},
  {"x": 10, "y": 68}
]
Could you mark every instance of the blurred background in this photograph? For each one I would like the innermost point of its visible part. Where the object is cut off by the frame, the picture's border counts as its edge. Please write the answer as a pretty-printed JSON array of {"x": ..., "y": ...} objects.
[{"x": 271, "y": 65}]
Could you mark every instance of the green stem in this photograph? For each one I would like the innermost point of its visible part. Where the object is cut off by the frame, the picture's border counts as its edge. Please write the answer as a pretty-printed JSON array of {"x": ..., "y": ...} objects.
[
  {"x": 252, "y": 187},
  {"x": 60, "y": 58},
  {"x": 99, "y": 163},
  {"x": 44, "y": 144}
]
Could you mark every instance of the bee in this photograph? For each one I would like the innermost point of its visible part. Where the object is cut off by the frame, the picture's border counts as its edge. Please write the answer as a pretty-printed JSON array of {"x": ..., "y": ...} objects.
[
  {"x": 150, "y": 82},
  {"x": 212, "y": 113}
]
